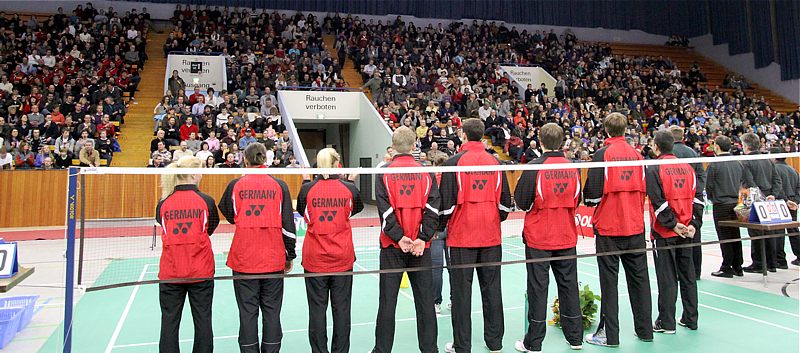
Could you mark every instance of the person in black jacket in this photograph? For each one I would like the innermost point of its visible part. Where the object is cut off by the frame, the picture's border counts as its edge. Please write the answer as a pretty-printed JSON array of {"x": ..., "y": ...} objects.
[
  {"x": 761, "y": 174},
  {"x": 723, "y": 185},
  {"x": 681, "y": 150},
  {"x": 791, "y": 193}
]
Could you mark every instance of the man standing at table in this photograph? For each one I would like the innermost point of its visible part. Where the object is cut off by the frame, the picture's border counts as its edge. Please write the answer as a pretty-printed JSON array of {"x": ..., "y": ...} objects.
[
  {"x": 724, "y": 182},
  {"x": 791, "y": 193},
  {"x": 763, "y": 175}
]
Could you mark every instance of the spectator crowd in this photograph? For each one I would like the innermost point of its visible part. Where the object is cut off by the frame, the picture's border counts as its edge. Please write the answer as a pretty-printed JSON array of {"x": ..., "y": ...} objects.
[
  {"x": 431, "y": 78},
  {"x": 264, "y": 52},
  {"x": 64, "y": 82}
]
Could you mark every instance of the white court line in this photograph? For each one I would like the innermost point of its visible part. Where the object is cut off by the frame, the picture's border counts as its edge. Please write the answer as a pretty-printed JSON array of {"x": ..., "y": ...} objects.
[
  {"x": 440, "y": 316},
  {"x": 411, "y": 298},
  {"x": 125, "y": 312},
  {"x": 724, "y": 297}
]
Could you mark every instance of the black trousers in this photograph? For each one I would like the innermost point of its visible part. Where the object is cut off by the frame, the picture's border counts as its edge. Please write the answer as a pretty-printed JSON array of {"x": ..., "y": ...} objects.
[
  {"x": 732, "y": 257},
  {"x": 421, "y": 286},
  {"x": 340, "y": 291},
  {"x": 252, "y": 296},
  {"x": 675, "y": 267},
  {"x": 172, "y": 297},
  {"x": 769, "y": 246},
  {"x": 794, "y": 241},
  {"x": 697, "y": 251},
  {"x": 636, "y": 275},
  {"x": 491, "y": 297},
  {"x": 566, "y": 274}
]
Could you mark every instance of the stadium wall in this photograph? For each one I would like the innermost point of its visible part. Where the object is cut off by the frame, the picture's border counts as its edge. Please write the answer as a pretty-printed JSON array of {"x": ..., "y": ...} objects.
[{"x": 769, "y": 76}]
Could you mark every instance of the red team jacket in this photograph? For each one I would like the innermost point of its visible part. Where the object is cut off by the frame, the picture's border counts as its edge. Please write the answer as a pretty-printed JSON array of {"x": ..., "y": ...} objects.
[
  {"x": 408, "y": 204},
  {"x": 326, "y": 206},
  {"x": 671, "y": 189},
  {"x": 187, "y": 218},
  {"x": 261, "y": 208},
  {"x": 550, "y": 198},
  {"x": 618, "y": 192},
  {"x": 469, "y": 198}
]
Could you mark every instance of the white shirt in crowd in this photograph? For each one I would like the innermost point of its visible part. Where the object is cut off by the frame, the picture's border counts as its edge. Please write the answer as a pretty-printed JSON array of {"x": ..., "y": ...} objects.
[
  {"x": 132, "y": 33},
  {"x": 5, "y": 160},
  {"x": 49, "y": 60},
  {"x": 484, "y": 112}
]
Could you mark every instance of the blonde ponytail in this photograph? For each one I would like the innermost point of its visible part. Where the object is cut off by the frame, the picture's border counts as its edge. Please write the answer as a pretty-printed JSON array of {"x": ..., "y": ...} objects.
[
  {"x": 328, "y": 158},
  {"x": 169, "y": 181}
]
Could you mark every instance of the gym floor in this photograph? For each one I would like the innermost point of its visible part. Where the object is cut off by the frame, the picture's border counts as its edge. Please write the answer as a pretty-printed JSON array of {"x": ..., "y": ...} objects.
[{"x": 740, "y": 314}]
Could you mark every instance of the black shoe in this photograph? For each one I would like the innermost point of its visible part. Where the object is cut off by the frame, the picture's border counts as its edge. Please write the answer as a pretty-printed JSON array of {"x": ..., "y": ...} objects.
[
  {"x": 724, "y": 274},
  {"x": 752, "y": 269},
  {"x": 783, "y": 267},
  {"x": 691, "y": 327},
  {"x": 738, "y": 272},
  {"x": 796, "y": 262},
  {"x": 772, "y": 269},
  {"x": 658, "y": 328}
]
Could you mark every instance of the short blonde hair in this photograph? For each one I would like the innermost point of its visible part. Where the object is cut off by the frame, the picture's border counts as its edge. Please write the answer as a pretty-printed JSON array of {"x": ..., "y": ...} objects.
[
  {"x": 403, "y": 140},
  {"x": 169, "y": 181},
  {"x": 615, "y": 124}
]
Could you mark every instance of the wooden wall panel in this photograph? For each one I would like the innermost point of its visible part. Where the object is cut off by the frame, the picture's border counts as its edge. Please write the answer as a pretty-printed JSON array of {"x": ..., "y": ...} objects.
[{"x": 37, "y": 198}]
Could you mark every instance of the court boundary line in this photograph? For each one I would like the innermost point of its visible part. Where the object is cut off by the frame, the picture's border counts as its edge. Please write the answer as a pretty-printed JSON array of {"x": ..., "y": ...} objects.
[
  {"x": 121, "y": 321},
  {"x": 371, "y": 323}
]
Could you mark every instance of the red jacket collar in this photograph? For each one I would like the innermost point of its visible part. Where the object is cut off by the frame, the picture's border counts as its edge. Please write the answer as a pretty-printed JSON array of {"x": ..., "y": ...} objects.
[
  {"x": 667, "y": 156},
  {"x": 473, "y": 146},
  {"x": 617, "y": 139}
]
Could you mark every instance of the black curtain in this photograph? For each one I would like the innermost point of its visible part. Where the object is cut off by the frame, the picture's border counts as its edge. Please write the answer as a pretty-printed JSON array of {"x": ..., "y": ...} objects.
[
  {"x": 761, "y": 32},
  {"x": 788, "y": 27},
  {"x": 729, "y": 25}
]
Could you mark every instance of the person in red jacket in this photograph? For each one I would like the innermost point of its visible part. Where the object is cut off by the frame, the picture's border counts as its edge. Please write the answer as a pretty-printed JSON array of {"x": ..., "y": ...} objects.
[
  {"x": 671, "y": 189},
  {"x": 263, "y": 243},
  {"x": 618, "y": 221},
  {"x": 327, "y": 203},
  {"x": 550, "y": 198},
  {"x": 187, "y": 219},
  {"x": 408, "y": 205},
  {"x": 473, "y": 205}
]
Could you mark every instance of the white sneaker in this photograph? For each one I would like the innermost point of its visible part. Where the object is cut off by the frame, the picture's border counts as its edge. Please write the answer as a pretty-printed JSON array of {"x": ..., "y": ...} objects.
[
  {"x": 520, "y": 347},
  {"x": 490, "y": 350},
  {"x": 575, "y": 347},
  {"x": 437, "y": 308},
  {"x": 448, "y": 348},
  {"x": 449, "y": 306}
]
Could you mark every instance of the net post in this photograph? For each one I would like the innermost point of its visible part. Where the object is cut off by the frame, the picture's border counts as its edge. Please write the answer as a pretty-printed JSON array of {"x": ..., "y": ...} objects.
[
  {"x": 69, "y": 289},
  {"x": 83, "y": 226}
]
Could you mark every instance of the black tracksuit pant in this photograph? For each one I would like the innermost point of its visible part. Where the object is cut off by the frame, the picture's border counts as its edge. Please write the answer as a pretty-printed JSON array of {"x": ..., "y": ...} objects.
[
  {"x": 636, "y": 275},
  {"x": 491, "y": 296},
  {"x": 697, "y": 251},
  {"x": 731, "y": 252},
  {"x": 794, "y": 241},
  {"x": 421, "y": 286},
  {"x": 768, "y": 244},
  {"x": 566, "y": 274},
  {"x": 675, "y": 267},
  {"x": 340, "y": 291},
  {"x": 172, "y": 297},
  {"x": 252, "y": 296}
]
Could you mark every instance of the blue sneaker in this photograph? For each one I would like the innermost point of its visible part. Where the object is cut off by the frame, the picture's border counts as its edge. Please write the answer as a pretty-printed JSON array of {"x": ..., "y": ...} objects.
[{"x": 599, "y": 339}]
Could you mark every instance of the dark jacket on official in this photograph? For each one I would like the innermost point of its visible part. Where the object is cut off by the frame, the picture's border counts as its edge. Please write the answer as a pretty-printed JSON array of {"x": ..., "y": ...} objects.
[
  {"x": 408, "y": 204},
  {"x": 550, "y": 198},
  {"x": 671, "y": 188},
  {"x": 326, "y": 206},
  {"x": 469, "y": 200},
  {"x": 680, "y": 150},
  {"x": 724, "y": 181},
  {"x": 762, "y": 174},
  {"x": 187, "y": 218},
  {"x": 790, "y": 181},
  {"x": 618, "y": 192},
  {"x": 261, "y": 208}
]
